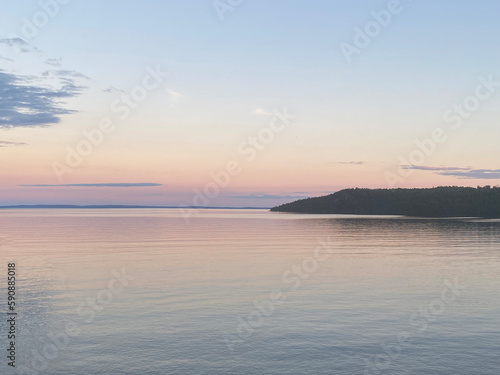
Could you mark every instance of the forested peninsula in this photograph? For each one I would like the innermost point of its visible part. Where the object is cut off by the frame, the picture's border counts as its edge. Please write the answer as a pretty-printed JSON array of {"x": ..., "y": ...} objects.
[{"x": 449, "y": 201}]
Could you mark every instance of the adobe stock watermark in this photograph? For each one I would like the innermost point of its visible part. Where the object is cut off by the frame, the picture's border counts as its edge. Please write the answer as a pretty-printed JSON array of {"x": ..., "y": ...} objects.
[
  {"x": 292, "y": 280},
  {"x": 121, "y": 107},
  {"x": 363, "y": 36},
  {"x": 419, "y": 323},
  {"x": 56, "y": 343},
  {"x": 456, "y": 116},
  {"x": 248, "y": 150},
  {"x": 221, "y": 7},
  {"x": 31, "y": 26}
]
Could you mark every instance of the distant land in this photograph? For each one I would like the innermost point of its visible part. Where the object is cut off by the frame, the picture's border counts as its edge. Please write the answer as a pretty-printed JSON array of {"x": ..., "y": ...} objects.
[
  {"x": 449, "y": 201},
  {"x": 61, "y": 206}
]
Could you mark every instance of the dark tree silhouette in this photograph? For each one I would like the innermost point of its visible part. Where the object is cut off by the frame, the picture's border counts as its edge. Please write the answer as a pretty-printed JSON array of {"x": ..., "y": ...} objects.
[{"x": 450, "y": 201}]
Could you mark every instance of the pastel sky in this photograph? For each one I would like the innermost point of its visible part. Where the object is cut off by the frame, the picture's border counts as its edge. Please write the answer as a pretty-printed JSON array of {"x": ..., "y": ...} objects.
[{"x": 333, "y": 94}]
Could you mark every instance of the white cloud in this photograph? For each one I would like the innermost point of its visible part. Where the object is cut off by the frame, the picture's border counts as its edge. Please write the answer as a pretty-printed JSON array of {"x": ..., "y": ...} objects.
[{"x": 261, "y": 112}]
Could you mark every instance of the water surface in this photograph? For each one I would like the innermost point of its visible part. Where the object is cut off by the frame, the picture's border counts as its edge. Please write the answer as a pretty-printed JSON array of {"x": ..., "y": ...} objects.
[{"x": 376, "y": 299}]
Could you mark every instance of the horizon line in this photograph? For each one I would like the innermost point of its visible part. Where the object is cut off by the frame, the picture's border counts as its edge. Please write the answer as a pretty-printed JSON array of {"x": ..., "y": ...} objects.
[{"x": 124, "y": 206}]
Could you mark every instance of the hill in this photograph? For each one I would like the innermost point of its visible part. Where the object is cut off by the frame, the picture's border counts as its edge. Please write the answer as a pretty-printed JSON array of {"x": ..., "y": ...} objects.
[{"x": 434, "y": 202}]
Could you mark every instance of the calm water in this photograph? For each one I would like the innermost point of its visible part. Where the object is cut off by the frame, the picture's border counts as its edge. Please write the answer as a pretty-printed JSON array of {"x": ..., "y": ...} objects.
[{"x": 251, "y": 292}]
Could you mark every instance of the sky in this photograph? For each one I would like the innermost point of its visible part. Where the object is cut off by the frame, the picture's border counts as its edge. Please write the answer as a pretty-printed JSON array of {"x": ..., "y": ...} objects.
[{"x": 244, "y": 103}]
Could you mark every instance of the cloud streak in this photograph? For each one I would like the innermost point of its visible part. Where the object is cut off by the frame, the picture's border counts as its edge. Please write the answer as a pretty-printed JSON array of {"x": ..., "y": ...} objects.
[
  {"x": 8, "y": 144},
  {"x": 18, "y": 44},
  {"x": 438, "y": 169},
  {"x": 112, "y": 90},
  {"x": 350, "y": 162},
  {"x": 262, "y": 112},
  {"x": 466, "y": 173},
  {"x": 481, "y": 174},
  {"x": 118, "y": 185},
  {"x": 64, "y": 74}
]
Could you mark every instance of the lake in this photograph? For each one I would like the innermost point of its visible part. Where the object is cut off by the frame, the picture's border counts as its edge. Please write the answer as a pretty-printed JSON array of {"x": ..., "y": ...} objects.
[{"x": 143, "y": 291}]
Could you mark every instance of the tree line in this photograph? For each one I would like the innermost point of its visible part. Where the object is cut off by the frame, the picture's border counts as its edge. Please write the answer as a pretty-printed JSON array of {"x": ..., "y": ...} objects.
[{"x": 446, "y": 201}]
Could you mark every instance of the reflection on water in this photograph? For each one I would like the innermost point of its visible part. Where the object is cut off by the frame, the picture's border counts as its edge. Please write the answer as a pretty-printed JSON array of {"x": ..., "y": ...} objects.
[{"x": 146, "y": 293}]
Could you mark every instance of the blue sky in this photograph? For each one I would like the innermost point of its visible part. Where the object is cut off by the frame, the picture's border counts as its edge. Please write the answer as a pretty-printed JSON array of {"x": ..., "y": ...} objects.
[{"x": 226, "y": 77}]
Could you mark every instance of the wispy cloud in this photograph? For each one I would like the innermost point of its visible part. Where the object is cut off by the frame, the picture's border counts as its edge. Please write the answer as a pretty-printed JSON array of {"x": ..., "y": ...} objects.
[
  {"x": 18, "y": 44},
  {"x": 438, "y": 169},
  {"x": 54, "y": 62},
  {"x": 9, "y": 144},
  {"x": 262, "y": 112},
  {"x": 467, "y": 172},
  {"x": 25, "y": 101},
  {"x": 482, "y": 174},
  {"x": 64, "y": 74},
  {"x": 174, "y": 94},
  {"x": 120, "y": 185},
  {"x": 112, "y": 90},
  {"x": 350, "y": 162},
  {"x": 174, "y": 97},
  {"x": 32, "y": 98}
]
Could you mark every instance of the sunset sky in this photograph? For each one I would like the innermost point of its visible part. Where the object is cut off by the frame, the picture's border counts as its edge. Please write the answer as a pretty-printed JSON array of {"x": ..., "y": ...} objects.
[{"x": 169, "y": 92}]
